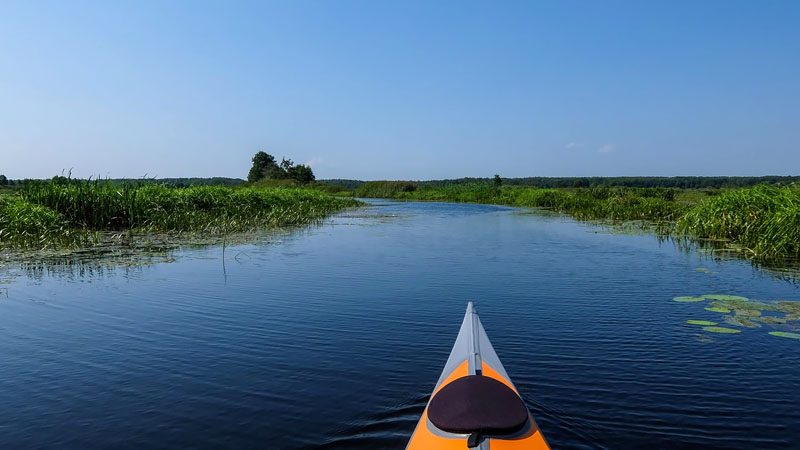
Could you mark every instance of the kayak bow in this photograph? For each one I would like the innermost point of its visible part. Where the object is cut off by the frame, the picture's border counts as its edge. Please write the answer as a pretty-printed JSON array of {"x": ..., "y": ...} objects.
[{"x": 474, "y": 403}]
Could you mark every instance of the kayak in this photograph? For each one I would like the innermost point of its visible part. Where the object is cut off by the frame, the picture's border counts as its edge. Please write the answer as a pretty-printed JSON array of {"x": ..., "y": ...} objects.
[{"x": 474, "y": 404}]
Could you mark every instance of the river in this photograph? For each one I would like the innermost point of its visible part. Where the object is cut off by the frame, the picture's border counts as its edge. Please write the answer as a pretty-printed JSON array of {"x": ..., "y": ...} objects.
[{"x": 333, "y": 337}]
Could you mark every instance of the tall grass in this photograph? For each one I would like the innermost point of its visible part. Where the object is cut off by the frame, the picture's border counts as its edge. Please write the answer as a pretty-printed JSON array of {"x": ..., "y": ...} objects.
[
  {"x": 27, "y": 224},
  {"x": 764, "y": 220},
  {"x": 384, "y": 189},
  {"x": 50, "y": 212}
]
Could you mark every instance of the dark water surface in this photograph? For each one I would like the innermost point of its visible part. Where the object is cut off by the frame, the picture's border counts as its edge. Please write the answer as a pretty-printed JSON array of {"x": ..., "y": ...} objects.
[{"x": 335, "y": 336}]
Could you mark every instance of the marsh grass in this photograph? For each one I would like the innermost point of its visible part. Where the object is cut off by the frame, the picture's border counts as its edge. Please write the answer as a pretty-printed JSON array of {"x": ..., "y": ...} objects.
[
  {"x": 72, "y": 212},
  {"x": 384, "y": 189},
  {"x": 763, "y": 220}
]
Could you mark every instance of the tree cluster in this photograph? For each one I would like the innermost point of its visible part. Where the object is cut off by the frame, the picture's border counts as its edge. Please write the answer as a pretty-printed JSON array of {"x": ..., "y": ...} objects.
[{"x": 266, "y": 167}]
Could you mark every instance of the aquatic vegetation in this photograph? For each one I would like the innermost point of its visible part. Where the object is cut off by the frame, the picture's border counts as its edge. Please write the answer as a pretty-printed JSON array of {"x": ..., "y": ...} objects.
[
  {"x": 704, "y": 270},
  {"x": 384, "y": 189},
  {"x": 704, "y": 338},
  {"x": 722, "y": 330},
  {"x": 763, "y": 220},
  {"x": 789, "y": 307},
  {"x": 744, "y": 305},
  {"x": 785, "y": 334},
  {"x": 771, "y": 320},
  {"x": 700, "y": 322},
  {"x": 688, "y": 299},
  {"x": 730, "y": 298},
  {"x": 741, "y": 321},
  {"x": 71, "y": 212},
  {"x": 747, "y": 313}
]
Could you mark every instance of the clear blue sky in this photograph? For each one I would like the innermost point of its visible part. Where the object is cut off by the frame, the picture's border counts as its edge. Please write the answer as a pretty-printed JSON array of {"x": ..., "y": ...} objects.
[{"x": 400, "y": 90}]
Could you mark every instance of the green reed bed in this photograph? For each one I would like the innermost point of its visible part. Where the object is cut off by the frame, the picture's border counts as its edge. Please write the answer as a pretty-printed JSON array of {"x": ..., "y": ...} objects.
[
  {"x": 68, "y": 212},
  {"x": 590, "y": 203},
  {"x": 764, "y": 221}
]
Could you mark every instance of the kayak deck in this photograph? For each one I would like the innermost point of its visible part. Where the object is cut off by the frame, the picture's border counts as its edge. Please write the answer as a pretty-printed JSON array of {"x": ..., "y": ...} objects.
[{"x": 468, "y": 408}]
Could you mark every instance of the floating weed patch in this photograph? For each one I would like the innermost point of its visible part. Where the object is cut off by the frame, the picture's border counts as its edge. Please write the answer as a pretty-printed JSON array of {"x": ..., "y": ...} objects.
[
  {"x": 771, "y": 320},
  {"x": 744, "y": 305},
  {"x": 688, "y": 299},
  {"x": 722, "y": 330},
  {"x": 700, "y": 322},
  {"x": 740, "y": 321},
  {"x": 748, "y": 312},
  {"x": 788, "y": 307},
  {"x": 718, "y": 309},
  {"x": 785, "y": 334},
  {"x": 704, "y": 270}
]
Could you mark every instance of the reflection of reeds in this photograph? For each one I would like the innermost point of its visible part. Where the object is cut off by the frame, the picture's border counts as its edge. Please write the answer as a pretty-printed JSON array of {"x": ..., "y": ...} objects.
[
  {"x": 761, "y": 222},
  {"x": 68, "y": 211}
]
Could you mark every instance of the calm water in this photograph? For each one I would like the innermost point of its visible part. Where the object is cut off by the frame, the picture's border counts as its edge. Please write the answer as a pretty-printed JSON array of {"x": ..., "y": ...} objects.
[{"x": 334, "y": 336}]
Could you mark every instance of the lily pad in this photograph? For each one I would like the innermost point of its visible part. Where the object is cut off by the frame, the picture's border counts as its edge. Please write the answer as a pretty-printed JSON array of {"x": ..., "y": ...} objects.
[
  {"x": 785, "y": 334},
  {"x": 718, "y": 309},
  {"x": 703, "y": 269},
  {"x": 748, "y": 312},
  {"x": 726, "y": 297},
  {"x": 722, "y": 330},
  {"x": 688, "y": 299},
  {"x": 741, "y": 321},
  {"x": 700, "y": 322}
]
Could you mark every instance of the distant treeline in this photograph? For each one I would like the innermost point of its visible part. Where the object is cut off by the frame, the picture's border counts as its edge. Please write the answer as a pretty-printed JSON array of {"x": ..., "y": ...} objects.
[
  {"x": 576, "y": 182},
  {"x": 174, "y": 182},
  {"x": 350, "y": 185},
  {"x": 184, "y": 182}
]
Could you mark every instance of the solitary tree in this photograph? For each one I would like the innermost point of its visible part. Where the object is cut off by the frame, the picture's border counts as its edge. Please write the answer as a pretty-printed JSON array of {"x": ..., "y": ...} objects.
[
  {"x": 3, "y": 180},
  {"x": 264, "y": 166},
  {"x": 497, "y": 181}
]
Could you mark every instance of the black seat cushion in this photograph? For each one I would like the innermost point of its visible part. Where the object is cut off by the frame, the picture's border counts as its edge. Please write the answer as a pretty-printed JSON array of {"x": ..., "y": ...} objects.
[{"x": 477, "y": 404}]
